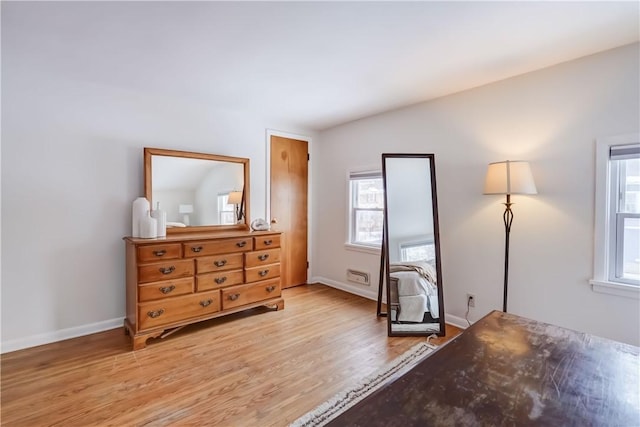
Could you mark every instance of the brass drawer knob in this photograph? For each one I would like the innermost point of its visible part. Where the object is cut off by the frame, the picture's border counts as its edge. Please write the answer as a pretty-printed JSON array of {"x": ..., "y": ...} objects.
[
  {"x": 241, "y": 244},
  {"x": 206, "y": 303},
  {"x": 166, "y": 289},
  {"x": 155, "y": 313},
  {"x": 220, "y": 263},
  {"x": 263, "y": 257},
  {"x": 271, "y": 288},
  {"x": 159, "y": 253},
  {"x": 263, "y": 273},
  {"x": 234, "y": 297},
  {"x": 196, "y": 248},
  {"x": 167, "y": 270},
  {"x": 220, "y": 280},
  {"x": 268, "y": 242}
]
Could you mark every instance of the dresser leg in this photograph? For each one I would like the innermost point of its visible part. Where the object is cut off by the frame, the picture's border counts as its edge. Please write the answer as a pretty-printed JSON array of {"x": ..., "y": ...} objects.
[
  {"x": 278, "y": 305},
  {"x": 140, "y": 341},
  {"x": 127, "y": 328}
]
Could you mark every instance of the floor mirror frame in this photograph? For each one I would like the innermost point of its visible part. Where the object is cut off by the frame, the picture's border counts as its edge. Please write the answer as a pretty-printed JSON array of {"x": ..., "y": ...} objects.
[{"x": 385, "y": 273}]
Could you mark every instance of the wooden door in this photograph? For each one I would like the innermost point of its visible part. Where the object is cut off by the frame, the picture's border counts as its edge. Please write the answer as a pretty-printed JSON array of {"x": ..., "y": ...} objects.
[{"x": 288, "y": 181}]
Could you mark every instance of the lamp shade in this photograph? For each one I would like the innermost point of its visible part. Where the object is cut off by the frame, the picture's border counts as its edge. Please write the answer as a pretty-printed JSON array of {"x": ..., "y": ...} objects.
[
  {"x": 235, "y": 197},
  {"x": 185, "y": 209},
  {"x": 509, "y": 177}
]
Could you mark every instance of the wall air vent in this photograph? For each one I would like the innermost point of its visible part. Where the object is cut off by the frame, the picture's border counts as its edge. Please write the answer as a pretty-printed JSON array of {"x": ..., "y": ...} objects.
[{"x": 359, "y": 277}]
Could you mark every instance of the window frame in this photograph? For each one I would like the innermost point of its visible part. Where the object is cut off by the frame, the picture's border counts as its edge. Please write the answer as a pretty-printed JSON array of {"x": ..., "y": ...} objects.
[
  {"x": 222, "y": 201},
  {"x": 404, "y": 246},
  {"x": 605, "y": 224},
  {"x": 352, "y": 211},
  {"x": 616, "y": 256}
]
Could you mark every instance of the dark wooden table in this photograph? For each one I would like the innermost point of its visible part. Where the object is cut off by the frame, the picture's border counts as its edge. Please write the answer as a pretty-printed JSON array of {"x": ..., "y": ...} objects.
[{"x": 506, "y": 370}]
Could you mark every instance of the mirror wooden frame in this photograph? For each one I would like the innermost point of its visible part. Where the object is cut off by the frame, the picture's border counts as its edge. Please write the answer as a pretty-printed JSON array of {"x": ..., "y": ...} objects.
[
  {"x": 148, "y": 186},
  {"x": 384, "y": 265}
]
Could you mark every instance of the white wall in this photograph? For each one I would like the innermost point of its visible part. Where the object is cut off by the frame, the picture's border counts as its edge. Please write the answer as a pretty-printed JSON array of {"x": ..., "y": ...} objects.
[
  {"x": 551, "y": 118},
  {"x": 72, "y": 164}
]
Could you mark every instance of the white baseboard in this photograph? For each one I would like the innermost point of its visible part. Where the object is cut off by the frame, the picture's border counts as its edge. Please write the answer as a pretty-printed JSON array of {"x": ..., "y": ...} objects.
[
  {"x": 460, "y": 322},
  {"x": 369, "y": 292},
  {"x": 372, "y": 293},
  {"x": 92, "y": 328},
  {"x": 60, "y": 335}
]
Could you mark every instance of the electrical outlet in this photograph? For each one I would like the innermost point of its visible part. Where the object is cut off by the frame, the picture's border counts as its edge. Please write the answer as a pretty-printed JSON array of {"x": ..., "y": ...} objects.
[{"x": 471, "y": 300}]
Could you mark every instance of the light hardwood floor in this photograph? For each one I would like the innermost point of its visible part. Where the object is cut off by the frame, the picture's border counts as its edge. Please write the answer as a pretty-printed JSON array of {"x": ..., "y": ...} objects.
[{"x": 263, "y": 369}]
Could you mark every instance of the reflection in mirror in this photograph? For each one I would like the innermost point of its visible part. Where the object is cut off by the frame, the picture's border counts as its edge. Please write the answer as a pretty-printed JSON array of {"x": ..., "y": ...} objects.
[
  {"x": 196, "y": 189},
  {"x": 411, "y": 246}
]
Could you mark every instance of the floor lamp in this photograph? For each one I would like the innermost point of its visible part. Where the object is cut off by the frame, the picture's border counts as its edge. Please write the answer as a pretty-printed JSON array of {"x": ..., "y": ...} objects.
[{"x": 508, "y": 177}]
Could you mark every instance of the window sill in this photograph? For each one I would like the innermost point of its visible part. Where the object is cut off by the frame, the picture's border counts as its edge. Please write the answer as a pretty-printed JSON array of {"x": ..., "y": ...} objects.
[
  {"x": 361, "y": 248},
  {"x": 612, "y": 288}
]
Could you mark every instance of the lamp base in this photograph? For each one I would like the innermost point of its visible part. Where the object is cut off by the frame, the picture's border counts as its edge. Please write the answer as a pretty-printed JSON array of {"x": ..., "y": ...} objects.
[{"x": 507, "y": 218}]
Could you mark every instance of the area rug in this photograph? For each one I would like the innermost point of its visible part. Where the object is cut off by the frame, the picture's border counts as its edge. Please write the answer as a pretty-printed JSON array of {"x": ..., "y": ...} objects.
[{"x": 339, "y": 403}]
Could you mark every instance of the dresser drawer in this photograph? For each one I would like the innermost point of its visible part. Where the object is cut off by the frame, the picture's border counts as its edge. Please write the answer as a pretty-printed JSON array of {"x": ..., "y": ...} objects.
[
  {"x": 151, "y": 253},
  {"x": 165, "y": 270},
  {"x": 164, "y": 312},
  {"x": 222, "y": 246},
  {"x": 165, "y": 289},
  {"x": 262, "y": 272},
  {"x": 256, "y": 258},
  {"x": 219, "y": 263},
  {"x": 236, "y": 296},
  {"x": 217, "y": 280},
  {"x": 266, "y": 242}
]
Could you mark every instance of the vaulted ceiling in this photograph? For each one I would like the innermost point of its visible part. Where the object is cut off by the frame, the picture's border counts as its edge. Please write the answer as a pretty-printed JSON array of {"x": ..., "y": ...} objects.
[{"x": 313, "y": 64}]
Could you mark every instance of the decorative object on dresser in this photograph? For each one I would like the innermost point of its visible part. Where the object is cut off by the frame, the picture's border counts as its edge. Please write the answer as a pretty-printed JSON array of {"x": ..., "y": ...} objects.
[
  {"x": 260, "y": 225},
  {"x": 139, "y": 209},
  {"x": 148, "y": 227},
  {"x": 161, "y": 217},
  {"x": 182, "y": 279},
  {"x": 508, "y": 177}
]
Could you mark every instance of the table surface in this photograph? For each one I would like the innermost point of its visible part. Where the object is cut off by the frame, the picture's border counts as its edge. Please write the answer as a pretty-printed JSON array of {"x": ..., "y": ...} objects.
[{"x": 509, "y": 370}]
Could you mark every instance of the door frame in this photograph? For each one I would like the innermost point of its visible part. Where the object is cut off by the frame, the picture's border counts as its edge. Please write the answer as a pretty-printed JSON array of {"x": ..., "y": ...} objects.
[{"x": 272, "y": 132}]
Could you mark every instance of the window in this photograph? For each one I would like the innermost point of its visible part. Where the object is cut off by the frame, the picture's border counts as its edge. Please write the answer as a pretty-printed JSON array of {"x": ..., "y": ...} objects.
[
  {"x": 225, "y": 210},
  {"x": 417, "y": 251},
  {"x": 625, "y": 215},
  {"x": 617, "y": 250},
  {"x": 366, "y": 208}
]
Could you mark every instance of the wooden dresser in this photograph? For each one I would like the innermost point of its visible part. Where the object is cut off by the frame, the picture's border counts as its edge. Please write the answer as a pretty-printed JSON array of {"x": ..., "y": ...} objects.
[{"x": 185, "y": 278}]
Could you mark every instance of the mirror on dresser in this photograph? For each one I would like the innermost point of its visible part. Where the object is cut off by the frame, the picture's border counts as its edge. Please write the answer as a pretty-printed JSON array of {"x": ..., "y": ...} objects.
[
  {"x": 411, "y": 246},
  {"x": 198, "y": 191}
]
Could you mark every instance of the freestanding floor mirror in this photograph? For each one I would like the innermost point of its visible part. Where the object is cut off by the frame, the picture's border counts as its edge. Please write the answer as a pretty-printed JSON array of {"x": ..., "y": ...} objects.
[{"x": 411, "y": 263}]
